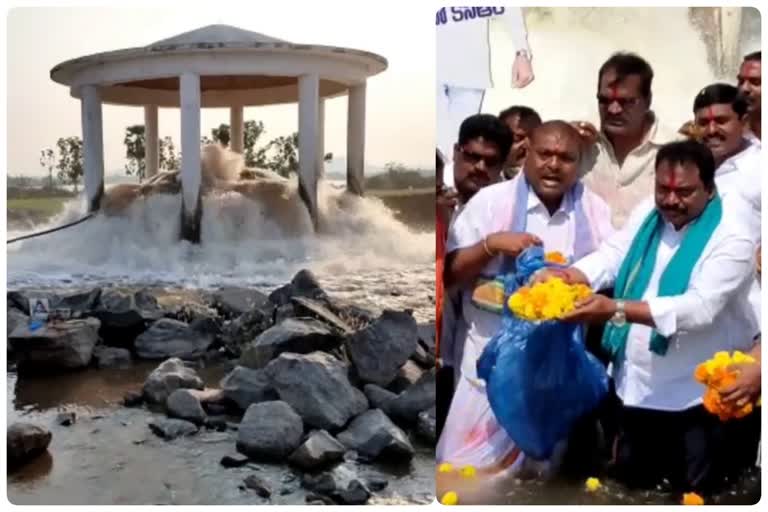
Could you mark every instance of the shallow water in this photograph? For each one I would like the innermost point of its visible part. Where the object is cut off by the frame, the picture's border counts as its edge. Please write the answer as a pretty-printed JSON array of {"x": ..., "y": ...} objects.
[{"x": 109, "y": 456}]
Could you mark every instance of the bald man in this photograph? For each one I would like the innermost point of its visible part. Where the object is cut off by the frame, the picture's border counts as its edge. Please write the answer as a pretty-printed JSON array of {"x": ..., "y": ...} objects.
[{"x": 544, "y": 205}]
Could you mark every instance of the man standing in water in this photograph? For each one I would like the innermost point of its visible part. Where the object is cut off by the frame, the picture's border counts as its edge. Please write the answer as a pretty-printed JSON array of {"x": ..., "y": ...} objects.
[
  {"x": 749, "y": 81},
  {"x": 543, "y": 205},
  {"x": 619, "y": 165},
  {"x": 682, "y": 268},
  {"x": 464, "y": 65}
]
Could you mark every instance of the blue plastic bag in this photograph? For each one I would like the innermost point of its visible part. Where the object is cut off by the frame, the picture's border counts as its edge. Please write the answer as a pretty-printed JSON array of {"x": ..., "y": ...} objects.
[{"x": 539, "y": 377}]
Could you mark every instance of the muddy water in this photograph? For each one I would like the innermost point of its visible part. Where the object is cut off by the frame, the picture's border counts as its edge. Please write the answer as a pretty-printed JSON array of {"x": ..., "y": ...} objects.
[{"x": 109, "y": 456}]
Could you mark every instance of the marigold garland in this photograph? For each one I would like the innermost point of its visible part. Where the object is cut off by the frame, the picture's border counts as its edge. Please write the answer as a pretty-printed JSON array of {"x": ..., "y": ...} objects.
[
  {"x": 716, "y": 375},
  {"x": 547, "y": 300},
  {"x": 555, "y": 257}
]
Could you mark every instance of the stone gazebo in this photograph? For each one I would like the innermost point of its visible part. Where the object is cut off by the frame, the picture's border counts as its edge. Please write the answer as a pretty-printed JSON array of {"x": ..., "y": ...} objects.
[{"x": 221, "y": 66}]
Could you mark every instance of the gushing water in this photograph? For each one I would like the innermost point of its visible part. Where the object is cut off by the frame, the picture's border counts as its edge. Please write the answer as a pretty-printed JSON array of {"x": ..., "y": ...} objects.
[{"x": 364, "y": 254}]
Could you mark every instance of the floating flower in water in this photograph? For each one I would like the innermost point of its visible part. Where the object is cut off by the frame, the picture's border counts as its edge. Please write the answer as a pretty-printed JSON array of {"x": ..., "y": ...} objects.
[
  {"x": 468, "y": 471},
  {"x": 716, "y": 375},
  {"x": 450, "y": 498},
  {"x": 593, "y": 484},
  {"x": 691, "y": 498},
  {"x": 445, "y": 467},
  {"x": 548, "y": 300},
  {"x": 555, "y": 257}
]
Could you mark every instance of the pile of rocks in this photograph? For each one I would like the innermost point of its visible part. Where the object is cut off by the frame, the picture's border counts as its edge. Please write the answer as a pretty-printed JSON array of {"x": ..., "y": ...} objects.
[{"x": 315, "y": 381}]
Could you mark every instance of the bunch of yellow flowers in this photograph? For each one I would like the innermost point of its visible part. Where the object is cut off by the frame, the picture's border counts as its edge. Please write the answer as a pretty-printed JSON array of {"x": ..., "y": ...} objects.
[
  {"x": 548, "y": 300},
  {"x": 716, "y": 375}
]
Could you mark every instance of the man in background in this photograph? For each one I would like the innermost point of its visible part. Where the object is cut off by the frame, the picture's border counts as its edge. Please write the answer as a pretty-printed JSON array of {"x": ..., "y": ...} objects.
[
  {"x": 749, "y": 81},
  {"x": 521, "y": 121}
]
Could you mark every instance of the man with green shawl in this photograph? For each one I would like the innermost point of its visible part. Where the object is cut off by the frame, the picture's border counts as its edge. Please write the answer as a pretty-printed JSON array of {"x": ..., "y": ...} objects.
[{"x": 681, "y": 268}]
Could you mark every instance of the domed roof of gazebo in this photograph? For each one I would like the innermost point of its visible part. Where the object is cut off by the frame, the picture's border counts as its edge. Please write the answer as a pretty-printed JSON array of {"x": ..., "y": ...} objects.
[{"x": 236, "y": 67}]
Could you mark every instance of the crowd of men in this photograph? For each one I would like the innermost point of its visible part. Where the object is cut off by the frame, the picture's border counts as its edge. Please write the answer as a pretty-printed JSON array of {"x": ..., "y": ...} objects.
[{"x": 666, "y": 227}]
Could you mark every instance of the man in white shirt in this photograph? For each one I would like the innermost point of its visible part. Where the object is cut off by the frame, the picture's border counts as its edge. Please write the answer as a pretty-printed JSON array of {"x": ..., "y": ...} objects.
[
  {"x": 463, "y": 65},
  {"x": 681, "y": 268},
  {"x": 619, "y": 165},
  {"x": 483, "y": 145},
  {"x": 750, "y": 81},
  {"x": 545, "y": 205}
]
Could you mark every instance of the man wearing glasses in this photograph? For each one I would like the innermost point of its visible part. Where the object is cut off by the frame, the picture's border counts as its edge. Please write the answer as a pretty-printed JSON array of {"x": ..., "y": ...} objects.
[{"x": 619, "y": 166}]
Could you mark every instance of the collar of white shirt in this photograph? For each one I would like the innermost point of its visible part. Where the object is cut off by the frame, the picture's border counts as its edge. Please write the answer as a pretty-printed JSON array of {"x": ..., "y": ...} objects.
[
  {"x": 657, "y": 136},
  {"x": 740, "y": 159},
  {"x": 536, "y": 206}
]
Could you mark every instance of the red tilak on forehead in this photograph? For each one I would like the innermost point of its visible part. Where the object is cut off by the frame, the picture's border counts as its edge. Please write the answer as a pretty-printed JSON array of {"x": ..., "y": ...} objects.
[
  {"x": 672, "y": 180},
  {"x": 614, "y": 92},
  {"x": 710, "y": 114},
  {"x": 752, "y": 65}
]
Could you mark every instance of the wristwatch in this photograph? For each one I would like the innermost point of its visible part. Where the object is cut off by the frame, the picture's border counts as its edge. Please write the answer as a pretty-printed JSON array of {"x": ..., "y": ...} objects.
[{"x": 619, "y": 318}]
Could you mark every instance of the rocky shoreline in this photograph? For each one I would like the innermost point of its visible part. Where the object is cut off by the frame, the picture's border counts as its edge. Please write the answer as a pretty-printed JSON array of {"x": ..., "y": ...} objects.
[{"x": 314, "y": 382}]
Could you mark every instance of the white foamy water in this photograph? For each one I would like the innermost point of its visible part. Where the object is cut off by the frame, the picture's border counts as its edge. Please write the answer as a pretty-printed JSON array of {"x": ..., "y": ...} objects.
[
  {"x": 364, "y": 255},
  {"x": 570, "y": 44}
]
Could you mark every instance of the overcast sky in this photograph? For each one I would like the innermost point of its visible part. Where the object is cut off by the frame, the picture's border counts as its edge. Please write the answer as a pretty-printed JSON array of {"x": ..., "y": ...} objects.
[{"x": 40, "y": 110}]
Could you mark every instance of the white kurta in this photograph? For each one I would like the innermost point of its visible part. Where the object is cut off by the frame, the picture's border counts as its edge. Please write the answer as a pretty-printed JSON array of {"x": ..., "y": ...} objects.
[{"x": 712, "y": 315}]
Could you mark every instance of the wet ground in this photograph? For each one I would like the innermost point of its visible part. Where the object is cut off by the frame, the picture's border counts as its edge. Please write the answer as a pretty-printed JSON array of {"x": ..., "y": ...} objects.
[{"x": 109, "y": 456}]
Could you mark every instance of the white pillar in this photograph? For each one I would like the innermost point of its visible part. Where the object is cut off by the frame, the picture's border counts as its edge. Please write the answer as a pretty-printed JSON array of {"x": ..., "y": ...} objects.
[
  {"x": 93, "y": 145},
  {"x": 191, "y": 205},
  {"x": 320, "y": 138},
  {"x": 356, "y": 139},
  {"x": 236, "y": 141},
  {"x": 151, "y": 141},
  {"x": 309, "y": 89}
]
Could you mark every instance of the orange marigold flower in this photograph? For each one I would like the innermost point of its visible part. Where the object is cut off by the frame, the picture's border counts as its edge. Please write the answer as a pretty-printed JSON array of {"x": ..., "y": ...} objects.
[
  {"x": 691, "y": 498},
  {"x": 555, "y": 257}
]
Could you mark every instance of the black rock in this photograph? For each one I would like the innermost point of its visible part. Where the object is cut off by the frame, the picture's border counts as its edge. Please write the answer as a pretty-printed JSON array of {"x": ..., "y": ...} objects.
[
  {"x": 171, "y": 375},
  {"x": 133, "y": 399},
  {"x": 317, "y": 387},
  {"x": 217, "y": 424},
  {"x": 423, "y": 358},
  {"x": 25, "y": 442},
  {"x": 406, "y": 407},
  {"x": 407, "y": 376},
  {"x": 323, "y": 483},
  {"x": 65, "y": 345},
  {"x": 426, "y": 426},
  {"x": 66, "y": 419},
  {"x": 232, "y": 302},
  {"x": 258, "y": 485},
  {"x": 314, "y": 308},
  {"x": 170, "y": 429},
  {"x": 378, "y": 396},
  {"x": 111, "y": 357},
  {"x": 373, "y": 435},
  {"x": 378, "y": 351},
  {"x": 303, "y": 284},
  {"x": 427, "y": 337},
  {"x": 318, "y": 499},
  {"x": 285, "y": 491},
  {"x": 269, "y": 431},
  {"x": 184, "y": 405},
  {"x": 354, "y": 494},
  {"x": 15, "y": 318},
  {"x": 247, "y": 327},
  {"x": 319, "y": 450},
  {"x": 377, "y": 484},
  {"x": 171, "y": 338},
  {"x": 234, "y": 461},
  {"x": 124, "y": 315},
  {"x": 245, "y": 386},
  {"x": 296, "y": 335}
]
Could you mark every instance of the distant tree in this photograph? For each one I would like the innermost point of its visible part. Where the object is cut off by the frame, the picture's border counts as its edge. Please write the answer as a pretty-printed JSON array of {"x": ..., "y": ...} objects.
[
  {"x": 169, "y": 159},
  {"x": 135, "y": 151},
  {"x": 48, "y": 161},
  {"x": 70, "y": 163},
  {"x": 284, "y": 155},
  {"x": 221, "y": 134},
  {"x": 252, "y": 130}
]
